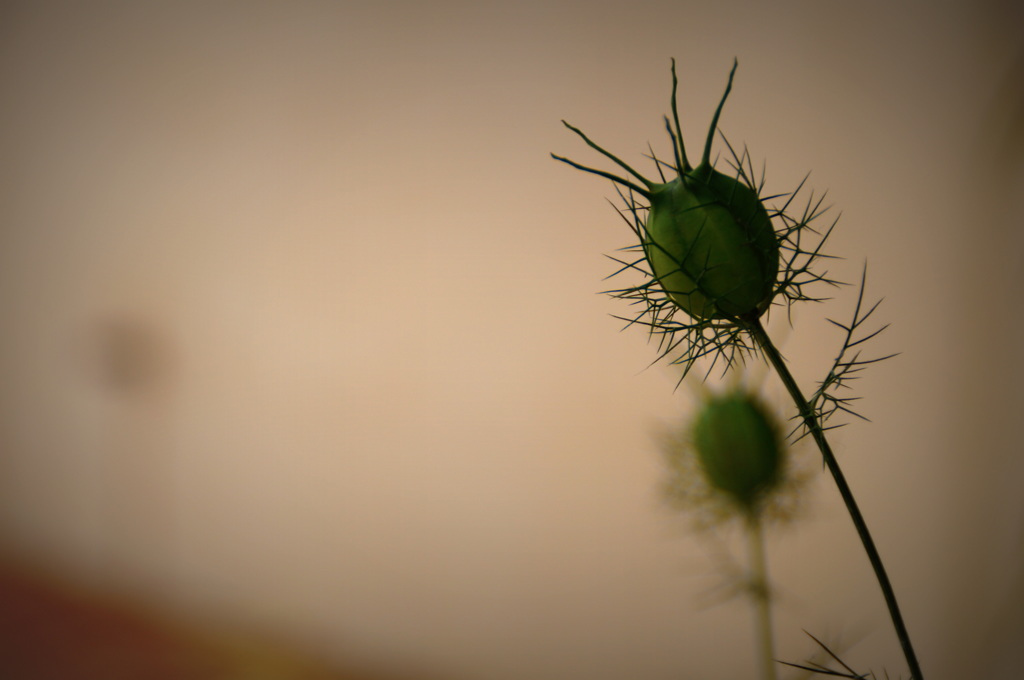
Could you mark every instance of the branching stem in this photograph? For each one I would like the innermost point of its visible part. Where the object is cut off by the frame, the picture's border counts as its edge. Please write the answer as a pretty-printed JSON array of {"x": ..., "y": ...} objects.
[{"x": 810, "y": 420}]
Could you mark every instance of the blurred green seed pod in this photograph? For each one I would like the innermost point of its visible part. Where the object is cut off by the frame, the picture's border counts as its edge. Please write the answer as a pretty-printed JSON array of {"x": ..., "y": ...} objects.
[
  {"x": 708, "y": 238},
  {"x": 739, "y": 448}
]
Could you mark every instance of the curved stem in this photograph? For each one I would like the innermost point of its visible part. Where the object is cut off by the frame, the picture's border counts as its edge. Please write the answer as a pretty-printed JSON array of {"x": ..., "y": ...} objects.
[
  {"x": 759, "y": 592},
  {"x": 814, "y": 427}
]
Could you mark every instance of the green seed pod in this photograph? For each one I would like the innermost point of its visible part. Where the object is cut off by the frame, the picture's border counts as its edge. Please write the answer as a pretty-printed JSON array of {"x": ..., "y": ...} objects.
[
  {"x": 711, "y": 245},
  {"x": 739, "y": 447},
  {"x": 708, "y": 238}
]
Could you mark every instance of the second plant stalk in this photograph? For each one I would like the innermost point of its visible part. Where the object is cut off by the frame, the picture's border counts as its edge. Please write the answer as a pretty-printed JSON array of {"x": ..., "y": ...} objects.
[{"x": 713, "y": 258}]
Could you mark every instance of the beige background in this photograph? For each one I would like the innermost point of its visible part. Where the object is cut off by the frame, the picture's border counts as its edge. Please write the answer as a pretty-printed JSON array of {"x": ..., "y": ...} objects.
[{"x": 301, "y": 325}]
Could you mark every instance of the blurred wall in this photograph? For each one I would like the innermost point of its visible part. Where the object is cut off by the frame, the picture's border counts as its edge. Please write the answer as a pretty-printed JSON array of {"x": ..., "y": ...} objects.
[{"x": 300, "y": 322}]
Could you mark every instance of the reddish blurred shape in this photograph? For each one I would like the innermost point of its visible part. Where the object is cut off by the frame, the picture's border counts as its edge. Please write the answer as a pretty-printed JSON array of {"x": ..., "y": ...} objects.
[{"x": 51, "y": 629}]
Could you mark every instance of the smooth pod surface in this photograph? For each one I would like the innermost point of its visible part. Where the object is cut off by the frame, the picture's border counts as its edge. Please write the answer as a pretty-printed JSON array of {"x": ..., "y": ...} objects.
[
  {"x": 711, "y": 245},
  {"x": 739, "y": 447}
]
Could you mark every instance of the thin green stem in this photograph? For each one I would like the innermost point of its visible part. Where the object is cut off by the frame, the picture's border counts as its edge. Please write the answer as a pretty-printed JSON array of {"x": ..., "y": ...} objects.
[
  {"x": 759, "y": 592},
  {"x": 813, "y": 425}
]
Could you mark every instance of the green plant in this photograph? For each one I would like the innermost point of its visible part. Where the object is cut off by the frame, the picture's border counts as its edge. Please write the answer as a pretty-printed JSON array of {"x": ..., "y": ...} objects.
[
  {"x": 714, "y": 255},
  {"x": 731, "y": 463}
]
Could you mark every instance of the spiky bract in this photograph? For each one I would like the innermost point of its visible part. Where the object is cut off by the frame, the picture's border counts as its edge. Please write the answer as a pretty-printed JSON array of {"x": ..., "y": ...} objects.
[{"x": 708, "y": 246}]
